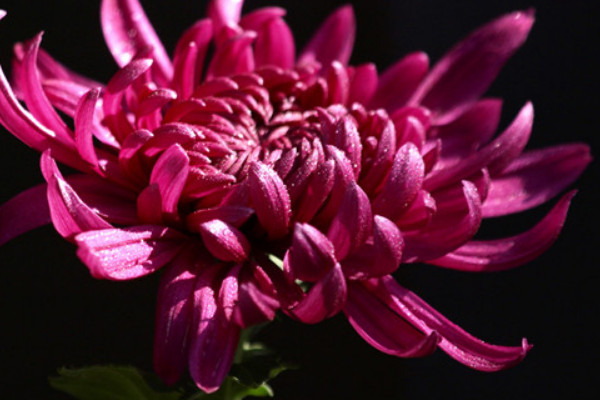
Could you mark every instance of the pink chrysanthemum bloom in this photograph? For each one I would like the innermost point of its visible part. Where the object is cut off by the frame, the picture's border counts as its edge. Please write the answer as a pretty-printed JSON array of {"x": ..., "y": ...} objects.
[{"x": 258, "y": 180}]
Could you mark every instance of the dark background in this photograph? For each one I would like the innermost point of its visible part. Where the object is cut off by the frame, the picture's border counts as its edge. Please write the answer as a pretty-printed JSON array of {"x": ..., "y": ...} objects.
[{"x": 52, "y": 313}]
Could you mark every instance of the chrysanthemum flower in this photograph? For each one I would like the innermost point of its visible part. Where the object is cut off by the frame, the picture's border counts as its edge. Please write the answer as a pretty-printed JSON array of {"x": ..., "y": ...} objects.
[{"x": 259, "y": 180}]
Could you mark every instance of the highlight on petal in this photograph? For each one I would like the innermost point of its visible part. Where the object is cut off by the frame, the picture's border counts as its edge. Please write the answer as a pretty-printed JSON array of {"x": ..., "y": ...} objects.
[
  {"x": 128, "y": 253},
  {"x": 270, "y": 199},
  {"x": 174, "y": 306},
  {"x": 310, "y": 255},
  {"x": 128, "y": 32},
  {"x": 333, "y": 41},
  {"x": 468, "y": 69},
  {"x": 70, "y": 215},
  {"x": 534, "y": 178},
  {"x": 213, "y": 338},
  {"x": 224, "y": 241},
  {"x": 84, "y": 118},
  {"x": 457, "y": 343},
  {"x": 509, "y": 252},
  {"x": 225, "y": 13}
]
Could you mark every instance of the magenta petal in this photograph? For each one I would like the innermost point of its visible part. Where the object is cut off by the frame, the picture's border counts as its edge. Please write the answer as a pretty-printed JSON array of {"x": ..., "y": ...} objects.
[
  {"x": 535, "y": 177},
  {"x": 457, "y": 343},
  {"x": 234, "y": 56},
  {"x": 325, "y": 299},
  {"x": 214, "y": 339},
  {"x": 128, "y": 32},
  {"x": 225, "y": 13},
  {"x": 34, "y": 95},
  {"x": 468, "y": 69},
  {"x": 84, "y": 118},
  {"x": 234, "y": 215},
  {"x": 128, "y": 253},
  {"x": 26, "y": 211},
  {"x": 275, "y": 45},
  {"x": 403, "y": 183},
  {"x": 448, "y": 229},
  {"x": 398, "y": 82},
  {"x": 334, "y": 39},
  {"x": 363, "y": 82},
  {"x": 469, "y": 132},
  {"x": 224, "y": 241},
  {"x": 505, "y": 253},
  {"x": 495, "y": 156},
  {"x": 228, "y": 293},
  {"x": 256, "y": 303},
  {"x": 173, "y": 317},
  {"x": 70, "y": 215},
  {"x": 382, "y": 257},
  {"x": 270, "y": 199},
  {"x": 353, "y": 223},
  {"x": 383, "y": 329},
  {"x": 170, "y": 174},
  {"x": 310, "y": 255}
]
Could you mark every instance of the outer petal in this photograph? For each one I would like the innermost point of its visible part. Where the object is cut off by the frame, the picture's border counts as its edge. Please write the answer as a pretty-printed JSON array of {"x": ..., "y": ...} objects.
[
  {"x": 214, "y": 339},
  {"x": 382, "y": 328},
  {"x": 128, "y": 253},
  {"x": 505, "y": 253},
  {"x": 398, "y": 82},
  {"x": 69, "y": 213},
  {"x": 174, "y": 316},
  {"x": 467, "y": 70},
  {"x": 534, "y": 178},
  {"x": 128, "y": 32},
  {"x": 26, "y": 211},
  {"x": 457, "y": 343},
  {"x": 495, "y": 156},
  {"x": 84, "y": 118},
  {"x": 333, "y": 41},
  {"x": 225, "y": 13}
]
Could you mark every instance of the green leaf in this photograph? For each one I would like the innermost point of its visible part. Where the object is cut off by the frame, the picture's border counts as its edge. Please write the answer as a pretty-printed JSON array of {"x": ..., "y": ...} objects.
[{"x": 109, "y": 382}]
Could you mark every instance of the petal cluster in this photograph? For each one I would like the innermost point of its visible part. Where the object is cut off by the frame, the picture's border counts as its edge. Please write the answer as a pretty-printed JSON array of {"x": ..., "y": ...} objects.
[{"x": 260, "y": 180}]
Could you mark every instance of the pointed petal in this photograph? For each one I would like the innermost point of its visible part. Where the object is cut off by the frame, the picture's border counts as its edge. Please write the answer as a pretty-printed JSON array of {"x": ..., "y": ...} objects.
[
  {"x": 270, "y": 199},
  {"x": 70, "y": 215},
  {"x": 325, "y": 299},
  {"x": 457, "y": 343},
  {"x": 214, "y": 339},
  {"x": 382, "y": 328},
  {"x": 534, "y": 178},
  {"x": 468, "y": 69},
  {"x": 26, "y": 211},
  {"x": 310, "y": 256},
  {"x": 363, "y": 83},
  {"x": 84, "y": 118},
  {"x": 353, "y": 223},
  {"x": 509, "y": 252},
  {"x": 398, "y": 82},
  {"x": 334, "y": 39},
  {"x": 233, "y": 57},
  {"x": 495, "y": 156},
  {"x": 128, "y": 32},
  {"x": 128, "y": 253}
]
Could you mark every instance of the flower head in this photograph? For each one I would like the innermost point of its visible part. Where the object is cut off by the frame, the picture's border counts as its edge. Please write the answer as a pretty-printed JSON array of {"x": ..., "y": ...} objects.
[{"x": 259, "y": 180}]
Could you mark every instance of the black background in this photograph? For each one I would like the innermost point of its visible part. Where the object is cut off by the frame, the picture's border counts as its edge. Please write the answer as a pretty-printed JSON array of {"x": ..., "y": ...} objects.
[{"x": 52, "y": 313}]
